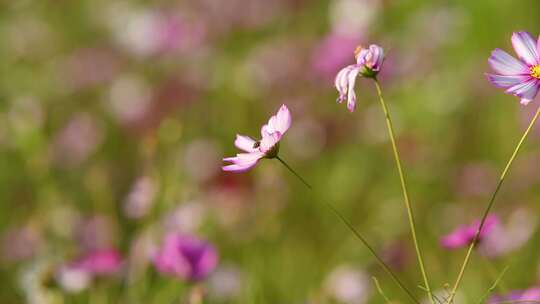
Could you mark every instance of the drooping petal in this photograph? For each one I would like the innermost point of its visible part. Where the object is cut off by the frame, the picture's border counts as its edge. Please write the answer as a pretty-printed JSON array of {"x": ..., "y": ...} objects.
[
  {"x": 527, "y": 91},
  {"x": 283, "y": 120},
  {"x": 505, "y": 64},
  {"x": 376, "y": 58},
  {"x": 245, "y": 143},
  {"x": 341, "y": 82},
  {"x": 506, "y": 81},
  {"x": 351, "y": 98},
  {"x": 268, "y": 142},
  {"x": 525, "y": 47}
]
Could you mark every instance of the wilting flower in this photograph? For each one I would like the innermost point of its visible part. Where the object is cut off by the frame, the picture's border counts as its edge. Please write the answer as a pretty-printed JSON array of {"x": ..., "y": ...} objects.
[
  {"x": 267, "y": 147},
  {"x": 368, "y": 64},
  {"x": 531, "y": 294},
  {"x": 519, "y": 77},
  {"x": 186, "y": 257},
  {"x": 464, "y": 235},
  {"x": 100, "y": 262}
]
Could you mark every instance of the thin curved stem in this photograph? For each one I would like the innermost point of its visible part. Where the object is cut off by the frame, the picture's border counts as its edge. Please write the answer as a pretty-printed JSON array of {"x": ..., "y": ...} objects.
[
  {"x": 410, "y": 214},
  {"x": 357, "y": 234},
  {"x": 490, "y": 204}
]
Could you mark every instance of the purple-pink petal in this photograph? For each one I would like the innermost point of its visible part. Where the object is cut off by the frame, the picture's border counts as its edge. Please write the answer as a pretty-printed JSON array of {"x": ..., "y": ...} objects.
[
  {"x": 100, "y": 262},
  {"x": 186, "y": 257},
  {"x": 464, "y": 235},
  {"x": 525, "y": 47},
  {"x": 505, "y": 64},
  {"x": 507, "y": 81},
  {"x": 527, "y": 91}
]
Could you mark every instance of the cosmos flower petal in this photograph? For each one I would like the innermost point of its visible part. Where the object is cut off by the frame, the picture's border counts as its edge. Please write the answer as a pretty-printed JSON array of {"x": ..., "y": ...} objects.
[
  {"x": 239, "y": 168},
  {"x": 527, "y": 91},
  {"x": 243, "y": 158},
  {"x": 341, "y": 82},
  {"x": 245, "y": 143},
  {"x": 505, "y": 64},
  {"x": 525, "y": 47},
  {"x": 507, "y": 81},
  {"x": 351, "y": 98},
  {"x": 283, "y": 120}
]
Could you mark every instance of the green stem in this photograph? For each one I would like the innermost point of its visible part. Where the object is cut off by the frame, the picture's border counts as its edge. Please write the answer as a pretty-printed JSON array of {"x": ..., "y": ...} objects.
[
  {"x": 356, "y": 233},
  {"x": 397, "y": 159},
  {"x": 495, "y": 284},
  {"x": 490, "y": 204}
]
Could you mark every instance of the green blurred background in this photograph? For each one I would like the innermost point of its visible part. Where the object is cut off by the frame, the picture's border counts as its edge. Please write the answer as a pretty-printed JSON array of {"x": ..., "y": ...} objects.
[{"x": 114, "y": 117}]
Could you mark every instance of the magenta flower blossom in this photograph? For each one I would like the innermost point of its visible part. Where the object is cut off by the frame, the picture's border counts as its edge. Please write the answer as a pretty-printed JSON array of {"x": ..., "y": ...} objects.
[
  {"x": 100, "y": 262},
  {"x": 267, "y": 147},
  {"x": 519, "y": 77},
  {"x": 368, "y": 64},
  {"x": 531, "y": 294},
  {"x": 464, "y": 235},
  {"x": 186, "y": 257}
]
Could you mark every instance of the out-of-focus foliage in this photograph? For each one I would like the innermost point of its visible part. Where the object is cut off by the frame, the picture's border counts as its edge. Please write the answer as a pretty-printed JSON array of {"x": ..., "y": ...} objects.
[{"x": 114, "y": 117}]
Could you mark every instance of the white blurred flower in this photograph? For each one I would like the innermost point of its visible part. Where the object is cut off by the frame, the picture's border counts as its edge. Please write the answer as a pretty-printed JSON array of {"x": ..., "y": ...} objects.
[
  {"x": 187, "y": 218},
  {"x": 73, "y": 279},
  {"x": 348, "y": 285},
  {"x": 129, "y": 98},
  {"x": 202, "y": 159},
  {"x": 353, "y": 17},
  {"x": 511, "y": 236},
  {"x": 140, "y": 198},
  {"x": 225, "y": 283}
]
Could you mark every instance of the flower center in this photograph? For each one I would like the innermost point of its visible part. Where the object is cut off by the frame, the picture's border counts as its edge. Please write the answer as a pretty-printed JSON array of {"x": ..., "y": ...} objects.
[
  {"x": 535, "y": 71},
  {"x": 357, "y": 51}
]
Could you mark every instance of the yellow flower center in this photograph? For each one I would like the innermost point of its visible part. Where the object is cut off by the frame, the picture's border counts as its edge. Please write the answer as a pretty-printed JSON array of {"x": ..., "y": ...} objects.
[
  {"x": 358, "y": 50},
  {"x": 535, "y": 71}
]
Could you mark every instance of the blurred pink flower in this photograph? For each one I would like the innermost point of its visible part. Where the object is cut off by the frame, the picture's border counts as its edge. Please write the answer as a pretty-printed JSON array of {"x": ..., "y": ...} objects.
[
  {"x": 464, "y": 235},
  {"x": 531, "y": 294},
  {"x": 368, "y": 63},
  {"x": 332, "y": 53},
  {"x": 22, "y": 243},
  {"x": 77, "y": 140},
  {"x": 186, "y": 257},
  {"x": 519, "y": 77},
  {"x": 94, "y": 233},
  {"x": 100, "y": 262},
  {"x": 267, "y": 147}
]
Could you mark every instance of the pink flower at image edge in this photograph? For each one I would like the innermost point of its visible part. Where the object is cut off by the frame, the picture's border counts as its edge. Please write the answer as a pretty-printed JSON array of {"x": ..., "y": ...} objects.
[{"x": 521, "y": 77}]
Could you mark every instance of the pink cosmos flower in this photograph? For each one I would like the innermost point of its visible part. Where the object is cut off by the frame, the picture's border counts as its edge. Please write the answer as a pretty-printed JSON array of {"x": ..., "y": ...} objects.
[
  {"x": 519, "y": 77},
  {"x": 186, "y": 257},
  {"x": 531, "y": 294},
  {"x": 100, "y": 262},
  {"x": 464, "y": 235},
  {"x": 267, "y": 147},
  {"x": 368, "y": 64}
]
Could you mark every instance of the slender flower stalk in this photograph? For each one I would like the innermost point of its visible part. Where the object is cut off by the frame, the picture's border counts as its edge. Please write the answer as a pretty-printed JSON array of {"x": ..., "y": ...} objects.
[
  {"x": 490, "y": 205},
  {"x": 356, "y": 234},
  {"x": 410, "y": 214}
]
